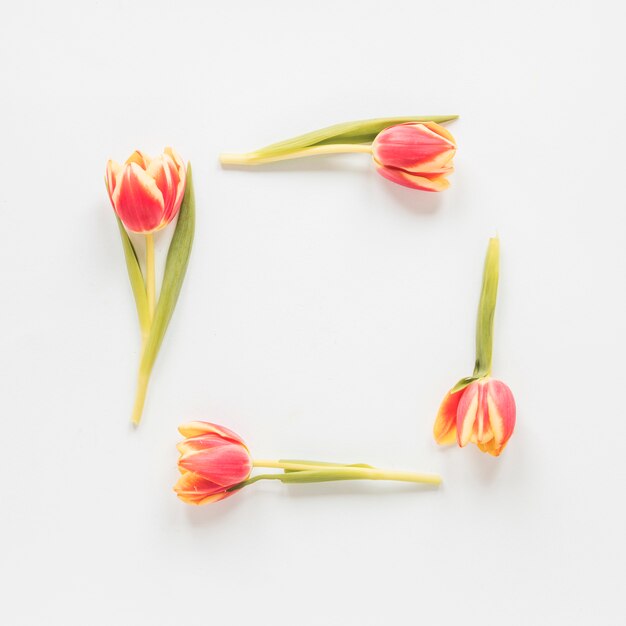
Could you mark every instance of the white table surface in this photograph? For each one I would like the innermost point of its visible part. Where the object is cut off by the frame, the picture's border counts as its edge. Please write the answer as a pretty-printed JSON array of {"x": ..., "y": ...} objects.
[{"x": 325, "y": 314}]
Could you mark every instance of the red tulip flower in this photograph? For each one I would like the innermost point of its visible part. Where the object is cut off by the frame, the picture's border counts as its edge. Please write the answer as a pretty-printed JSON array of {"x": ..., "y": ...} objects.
[
  {"x": 482, "y": 413},
  {"x": 480, "y": 409},
  {"x": 415, "y": 155},
  {"x": 146, "y": 193},
  {"x": 212, "y": 460},
  {"x": 215, "y": 463}
]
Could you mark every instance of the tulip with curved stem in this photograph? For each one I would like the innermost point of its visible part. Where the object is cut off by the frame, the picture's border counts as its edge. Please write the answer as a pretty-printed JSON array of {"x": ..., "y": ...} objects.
[
  {"x": 147, "y": 194},
  {"x": 480, "y": 409},
  {"x": 415, "y": 152},
  {"x": 215, "y": 463}
]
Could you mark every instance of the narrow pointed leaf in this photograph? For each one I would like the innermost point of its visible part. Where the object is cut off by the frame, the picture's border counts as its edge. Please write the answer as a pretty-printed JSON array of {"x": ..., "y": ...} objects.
[{"x": 136, "y": 279}]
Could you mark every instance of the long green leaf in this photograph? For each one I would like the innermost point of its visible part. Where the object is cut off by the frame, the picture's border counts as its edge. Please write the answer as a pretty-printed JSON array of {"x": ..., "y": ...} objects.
[
  {"x": 136, "y": 279},
  {"x": 361, "y": 131},
  {"x": 175, "y": 268}
]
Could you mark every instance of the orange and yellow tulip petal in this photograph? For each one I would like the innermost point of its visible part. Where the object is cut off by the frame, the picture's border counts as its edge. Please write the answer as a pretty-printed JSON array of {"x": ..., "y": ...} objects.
[
  {"x": 112, "y": 173},
  {"x": 193, "y": 429},
  {"x": 444, "y": 429},
  {"x": 195, "y": 489},
  {"x": 502, "y": 414},
  {"x": 440, "y": 130},
  {"x": 413, "y": 181},
  {"x": 201, "y": 442},
  {"x": 139, "y": 158}
]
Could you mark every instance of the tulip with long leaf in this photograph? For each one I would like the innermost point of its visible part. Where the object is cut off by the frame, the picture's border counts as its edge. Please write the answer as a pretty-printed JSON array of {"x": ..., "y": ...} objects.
[
  {"x": 414, "y": 152},
  {"x": 215, "y": 463},
  {"x": 147, "y": 194},
  {"x": 480, "y": 409}
]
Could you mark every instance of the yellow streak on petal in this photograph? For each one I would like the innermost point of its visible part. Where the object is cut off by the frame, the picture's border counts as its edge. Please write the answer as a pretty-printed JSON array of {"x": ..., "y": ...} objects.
[
  {"x": 495, "y": 419},
  {"x": 439, "y": 183},
  {"x": 438, "y": 163},
  {"x": 141, "y": 159},
  {"x": 467, "y": 430},
  {"x": 176, "y": 157},
  {"x": 447, "y": 439},
  {"x": 441, "y": 131},
  {"x": 193, "y": 429},
  {"x": 147, "y": 184}
]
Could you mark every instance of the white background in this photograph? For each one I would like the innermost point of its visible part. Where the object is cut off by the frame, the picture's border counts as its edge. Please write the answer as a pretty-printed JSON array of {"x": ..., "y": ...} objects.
[{"x": 325, "y": 314}]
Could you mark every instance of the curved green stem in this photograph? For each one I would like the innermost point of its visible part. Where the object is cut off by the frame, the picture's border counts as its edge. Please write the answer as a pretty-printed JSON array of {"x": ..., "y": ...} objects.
[
  {"x": 487, "y": 309},
  {"x": 253, "y": 158}
]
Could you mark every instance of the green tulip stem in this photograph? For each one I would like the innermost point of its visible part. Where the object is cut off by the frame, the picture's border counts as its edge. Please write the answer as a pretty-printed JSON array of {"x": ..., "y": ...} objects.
[
  {"x": 487, "y": 309},
  {"x": 307, "y": 472},
  {"x": 253, "y": 158},
  {"x": 150, "y": 274}
]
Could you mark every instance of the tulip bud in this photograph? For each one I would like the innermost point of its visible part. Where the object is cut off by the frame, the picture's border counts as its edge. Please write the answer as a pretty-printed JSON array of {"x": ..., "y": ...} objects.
[
  {"x": 212, "y": 460},
  {"x": 146, "y": 193},
  {"x": 482, "y": 413},
  {"x": 415, "y": 155}
]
